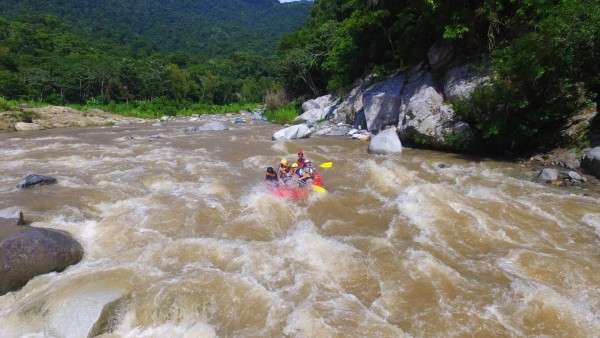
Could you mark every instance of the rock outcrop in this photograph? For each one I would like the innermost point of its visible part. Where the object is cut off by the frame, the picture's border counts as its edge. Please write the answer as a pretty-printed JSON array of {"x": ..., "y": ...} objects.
[
  {"x": 26, "y": 252},
  {"x": 413, "y": 101}
]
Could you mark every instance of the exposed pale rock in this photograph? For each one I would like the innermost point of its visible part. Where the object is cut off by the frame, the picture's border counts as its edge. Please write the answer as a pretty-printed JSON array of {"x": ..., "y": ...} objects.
[
  {"x": 23, "y": 126},
  {"x": 293, "y": 132},
  {"x": 386, "y": 142}
]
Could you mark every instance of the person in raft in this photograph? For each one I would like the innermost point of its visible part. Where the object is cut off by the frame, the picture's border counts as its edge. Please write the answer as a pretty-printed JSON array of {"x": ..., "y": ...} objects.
[
  {"x": 283, "y": 173},
  {"x": 271, "y": 175},
  {"x": 296, "y": 171},
  {"x": 309, "y": 175},
  {"x": 301, "y": 159}
]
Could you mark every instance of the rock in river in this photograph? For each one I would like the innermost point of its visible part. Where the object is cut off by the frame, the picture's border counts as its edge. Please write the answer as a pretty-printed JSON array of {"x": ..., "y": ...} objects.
[
  {"x": 35, "y": 180},
  {"x": 26, "y": 252}
]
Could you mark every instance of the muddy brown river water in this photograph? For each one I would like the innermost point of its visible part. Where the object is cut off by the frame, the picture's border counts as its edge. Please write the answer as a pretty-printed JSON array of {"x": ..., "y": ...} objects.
[{"x": 182, "y": 239}]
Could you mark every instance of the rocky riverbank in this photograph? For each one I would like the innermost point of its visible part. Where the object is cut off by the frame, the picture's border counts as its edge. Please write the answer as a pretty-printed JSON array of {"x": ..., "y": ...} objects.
[{"x": 25, "y": 118}]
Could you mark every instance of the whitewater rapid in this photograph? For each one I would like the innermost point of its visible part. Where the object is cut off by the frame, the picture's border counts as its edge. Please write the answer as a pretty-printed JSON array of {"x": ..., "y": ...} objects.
[{"x": 182, "y": 239}]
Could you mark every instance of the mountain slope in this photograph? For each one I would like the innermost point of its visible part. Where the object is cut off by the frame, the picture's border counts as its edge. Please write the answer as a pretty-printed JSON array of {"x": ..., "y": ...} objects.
[{"x": 207, "y": 27}]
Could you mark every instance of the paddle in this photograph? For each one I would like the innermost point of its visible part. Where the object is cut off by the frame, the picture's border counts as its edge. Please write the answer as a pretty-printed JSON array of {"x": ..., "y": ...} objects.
[
  {"x": 326, "y": 165},
  {"x": 318, "y": 188}
]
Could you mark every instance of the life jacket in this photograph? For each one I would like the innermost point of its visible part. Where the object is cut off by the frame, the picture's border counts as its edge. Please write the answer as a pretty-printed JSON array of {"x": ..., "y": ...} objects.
[
  {"x": 301, "y": 162},
  {"x": 271, "y": 176}
]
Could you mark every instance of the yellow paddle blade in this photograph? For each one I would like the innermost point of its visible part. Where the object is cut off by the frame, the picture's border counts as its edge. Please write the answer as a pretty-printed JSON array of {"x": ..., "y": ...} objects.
[
  {"x": 319, "y": 188},
  {"x": 326, "y": 165}
]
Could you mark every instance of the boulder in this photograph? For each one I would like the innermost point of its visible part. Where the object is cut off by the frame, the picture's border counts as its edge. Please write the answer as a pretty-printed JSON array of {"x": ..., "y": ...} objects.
[
  {"x": 386, "y": 142},
  {"x": 34, "y": 180},
  {"x": 321, "y": 102},
  {"x": 381, "y": 103},
  {"x": 423, "y": 113},
  {"x": 460, "y": 82},
  {"x": 23, "y": 126},
  {"x": 311, "y": 116},
  {"x": 291, "y": 133},
  {"x": 591, "y": 161},
  {"x": 350, "y": 106},
  {"x": 26, "y": 252},
  {"x": 547, "y": 175},
  {"x": 87, "y": 312}
]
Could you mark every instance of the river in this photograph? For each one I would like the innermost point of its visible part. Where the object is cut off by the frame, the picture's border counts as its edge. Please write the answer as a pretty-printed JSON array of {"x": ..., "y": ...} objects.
[{"x": 183, "y": 240}]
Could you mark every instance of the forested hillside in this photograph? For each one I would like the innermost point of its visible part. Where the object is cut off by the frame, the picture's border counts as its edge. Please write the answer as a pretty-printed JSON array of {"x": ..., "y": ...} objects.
[
  {"x": 207, "y": 28},
  {"x": 157, "y": 56},
  {"x": 544, "y": 56}
]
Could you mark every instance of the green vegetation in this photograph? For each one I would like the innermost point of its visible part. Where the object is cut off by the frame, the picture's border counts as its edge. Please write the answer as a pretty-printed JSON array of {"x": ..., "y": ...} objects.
[
  {"x": 282, "y": 115},
  {"x": 108, "y": 56},
  {"x": 543, "y": 56},
  {"x": 206, "y": 28}
]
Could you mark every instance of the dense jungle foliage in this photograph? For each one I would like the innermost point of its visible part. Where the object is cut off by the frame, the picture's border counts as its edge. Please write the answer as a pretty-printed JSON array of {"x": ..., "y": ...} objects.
[
  {"x": 160, "y": 56},
  {"x": 544, "y": 56}
]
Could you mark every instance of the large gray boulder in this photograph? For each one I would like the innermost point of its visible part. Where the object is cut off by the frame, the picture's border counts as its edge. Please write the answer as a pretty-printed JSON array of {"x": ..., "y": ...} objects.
[
  {"x": 591, "y": 161},
  {"x": 311, "y": 116},
  {"x": 26, "y": 252},
  {"x": 291, "y": 133},
  {"x": 423, "y": 113},
  {"x": 386, "y": 142},
  {"x": 381, "y": 103},
  {"x": 350, "y": 106},
  {"x": 547, "y": 175},
  {"x": 321, "y": 102},
  {"x": 460, "y": 82},
  {"x": 34, "y": 180}
]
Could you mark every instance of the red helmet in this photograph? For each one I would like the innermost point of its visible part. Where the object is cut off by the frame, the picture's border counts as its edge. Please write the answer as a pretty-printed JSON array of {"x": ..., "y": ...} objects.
[{"x": 300, "y": 153}]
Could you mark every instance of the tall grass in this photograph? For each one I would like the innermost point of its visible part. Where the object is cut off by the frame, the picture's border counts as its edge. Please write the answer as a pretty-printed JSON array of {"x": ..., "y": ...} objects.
[{"x": 283, "y": 115}]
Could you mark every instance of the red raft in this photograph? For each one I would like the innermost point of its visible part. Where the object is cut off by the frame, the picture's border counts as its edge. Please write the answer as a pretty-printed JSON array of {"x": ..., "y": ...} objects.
[{"x": 295, "y": 193}]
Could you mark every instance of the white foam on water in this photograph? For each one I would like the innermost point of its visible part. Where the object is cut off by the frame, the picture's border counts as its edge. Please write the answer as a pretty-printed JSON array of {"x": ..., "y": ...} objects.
[
  {"x": 593, "y": 221},
  {"x": 422, "y": 264},
  {"x": 543, "y": 303},
  {"x": 336, "y": 314},
  {"x": 188, "y": 330}
]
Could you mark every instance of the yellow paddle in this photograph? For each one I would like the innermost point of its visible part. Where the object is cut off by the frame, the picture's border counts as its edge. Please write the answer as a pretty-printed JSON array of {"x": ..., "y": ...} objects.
[
  {"x": 318, "y": 188},
  {"x": 326, "y": 165}
]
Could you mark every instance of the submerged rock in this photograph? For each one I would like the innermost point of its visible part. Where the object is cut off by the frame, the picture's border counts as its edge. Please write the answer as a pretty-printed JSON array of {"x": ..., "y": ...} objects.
[
  {"x": 34, "y": 180},
  {"x": 88, "y": 312}
]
